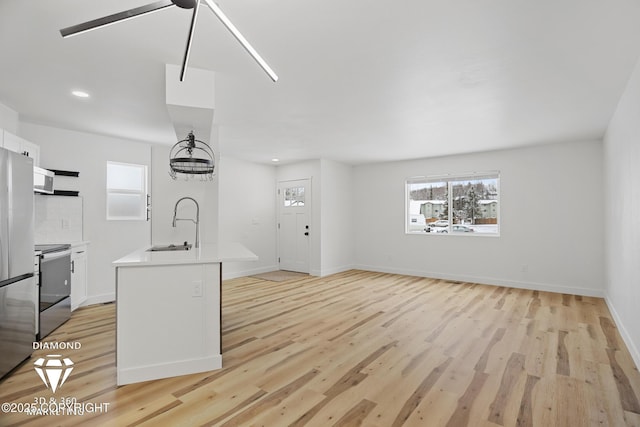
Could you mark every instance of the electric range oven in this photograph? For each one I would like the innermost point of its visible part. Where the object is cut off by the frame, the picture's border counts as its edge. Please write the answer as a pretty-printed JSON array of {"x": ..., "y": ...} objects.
[{"x": 55, "y": 287}]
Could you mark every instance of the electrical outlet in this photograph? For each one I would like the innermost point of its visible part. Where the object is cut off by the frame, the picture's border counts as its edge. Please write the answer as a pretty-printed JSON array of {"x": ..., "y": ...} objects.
[{"x": 197, "y": 288}]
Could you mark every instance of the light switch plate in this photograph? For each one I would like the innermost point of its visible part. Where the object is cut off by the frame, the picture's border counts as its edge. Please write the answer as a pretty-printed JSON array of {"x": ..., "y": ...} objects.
[{"x": 197, "y": 288}]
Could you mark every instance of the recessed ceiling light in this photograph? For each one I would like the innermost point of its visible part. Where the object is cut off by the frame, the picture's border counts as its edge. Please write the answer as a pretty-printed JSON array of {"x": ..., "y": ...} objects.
[
  {"x": 275, "y": 160},
  {"x": 80, "y": 94}
]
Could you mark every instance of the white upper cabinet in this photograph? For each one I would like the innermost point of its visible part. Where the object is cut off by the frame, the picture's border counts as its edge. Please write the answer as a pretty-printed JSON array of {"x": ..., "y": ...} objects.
[
  {"x": 19, "y": 145},
  {"x": 11, "y": 141}
]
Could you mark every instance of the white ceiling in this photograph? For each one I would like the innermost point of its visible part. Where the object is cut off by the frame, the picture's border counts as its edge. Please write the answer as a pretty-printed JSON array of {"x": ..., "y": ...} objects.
[{"x": 360, "y": 80}]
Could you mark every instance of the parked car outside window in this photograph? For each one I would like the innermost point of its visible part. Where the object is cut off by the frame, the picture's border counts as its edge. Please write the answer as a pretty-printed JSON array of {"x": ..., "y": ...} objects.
[
  {"x": 439, "y": 223},
  {"x": 457, "y": 228}
]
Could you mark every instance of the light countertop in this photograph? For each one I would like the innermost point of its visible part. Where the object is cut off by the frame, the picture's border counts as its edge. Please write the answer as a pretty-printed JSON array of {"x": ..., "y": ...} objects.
[
  {"x": 73, "y": 244},
  {"x": 207, "y": 253}
]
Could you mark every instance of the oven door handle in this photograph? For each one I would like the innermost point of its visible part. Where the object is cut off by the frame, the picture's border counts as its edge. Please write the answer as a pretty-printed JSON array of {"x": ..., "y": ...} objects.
[{"x": 54, "y": 255}]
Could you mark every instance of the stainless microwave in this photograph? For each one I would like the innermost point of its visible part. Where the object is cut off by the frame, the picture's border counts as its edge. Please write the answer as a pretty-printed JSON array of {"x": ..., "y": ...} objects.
[{"x": 42, "y": 180}]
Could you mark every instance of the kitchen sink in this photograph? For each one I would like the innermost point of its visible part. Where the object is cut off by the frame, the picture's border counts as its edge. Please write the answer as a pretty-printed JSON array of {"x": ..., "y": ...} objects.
[{"x": 184, "y": 247}]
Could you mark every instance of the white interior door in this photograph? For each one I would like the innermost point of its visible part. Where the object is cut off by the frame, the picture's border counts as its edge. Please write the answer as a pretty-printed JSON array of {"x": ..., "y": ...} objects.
[{"x": 294, "y": 201}]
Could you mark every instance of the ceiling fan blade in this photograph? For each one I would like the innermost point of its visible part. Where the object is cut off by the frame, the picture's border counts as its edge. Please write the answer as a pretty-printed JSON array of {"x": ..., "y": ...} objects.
[
  {"x": 227, "y": 23},
  {"x": 116, "y": 17},
  {"x": 192, "y": 28}
]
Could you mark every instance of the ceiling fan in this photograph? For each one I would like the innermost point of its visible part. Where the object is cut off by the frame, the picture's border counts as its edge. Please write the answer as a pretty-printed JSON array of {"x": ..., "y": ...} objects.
[{"x": 163, "y": 4}]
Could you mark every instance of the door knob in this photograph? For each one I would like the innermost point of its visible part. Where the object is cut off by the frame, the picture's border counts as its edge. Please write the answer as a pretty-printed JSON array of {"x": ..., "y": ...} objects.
[{"x": 306, "y": 233}]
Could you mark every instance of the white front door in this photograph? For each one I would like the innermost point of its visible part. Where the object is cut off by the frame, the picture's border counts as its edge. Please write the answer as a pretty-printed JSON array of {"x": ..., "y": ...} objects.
[{"x": 294, "y": 204}]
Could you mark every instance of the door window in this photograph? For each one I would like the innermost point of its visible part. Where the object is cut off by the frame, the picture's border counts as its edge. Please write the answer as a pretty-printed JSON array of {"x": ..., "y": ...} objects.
[{"x": 294, "y": 196}]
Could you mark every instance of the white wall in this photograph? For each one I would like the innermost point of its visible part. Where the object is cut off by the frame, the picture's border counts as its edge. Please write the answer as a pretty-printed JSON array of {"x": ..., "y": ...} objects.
[
  {"x": 247, "y": 214},
  {"x": 331, "y": 230},
  {"x": 88, "y": 154},
  {"x": 551, "y": 220},
  {"x": 336, "y": 207},
  {"x": 8, "y": 119},
  {"x": 622, "y": 214},
  {"x": 311, "y": 170}
]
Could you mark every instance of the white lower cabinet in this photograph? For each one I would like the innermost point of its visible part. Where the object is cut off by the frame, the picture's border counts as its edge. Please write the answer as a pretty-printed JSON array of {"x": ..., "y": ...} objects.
[{"x": 78, "y": 275}]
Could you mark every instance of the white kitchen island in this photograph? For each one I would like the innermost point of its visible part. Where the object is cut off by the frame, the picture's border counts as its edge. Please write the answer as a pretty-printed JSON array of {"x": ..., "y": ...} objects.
[{"x": 168, "y": 314}]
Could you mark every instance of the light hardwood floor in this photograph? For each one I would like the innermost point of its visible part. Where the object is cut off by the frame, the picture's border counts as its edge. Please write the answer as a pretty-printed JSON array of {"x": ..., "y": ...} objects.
[{"x": 363, "y": 348}]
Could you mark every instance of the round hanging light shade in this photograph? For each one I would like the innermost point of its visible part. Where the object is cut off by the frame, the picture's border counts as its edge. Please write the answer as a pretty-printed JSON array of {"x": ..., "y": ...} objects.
[{"x": 191, "y": 157}]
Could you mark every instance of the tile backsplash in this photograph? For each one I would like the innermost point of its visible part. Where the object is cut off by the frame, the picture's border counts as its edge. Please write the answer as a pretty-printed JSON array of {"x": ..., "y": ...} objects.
[{"x": 58, "y": 219}]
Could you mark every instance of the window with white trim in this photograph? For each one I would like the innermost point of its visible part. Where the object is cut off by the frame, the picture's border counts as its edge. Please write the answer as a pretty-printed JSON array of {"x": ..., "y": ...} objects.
[
  {"x": 466, "y": 204},
  {"x": 126, "y": 191}
]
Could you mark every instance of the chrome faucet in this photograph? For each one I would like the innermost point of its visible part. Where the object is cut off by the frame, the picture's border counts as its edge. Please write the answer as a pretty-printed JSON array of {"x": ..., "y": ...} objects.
[{"x": 196, "y": 221}]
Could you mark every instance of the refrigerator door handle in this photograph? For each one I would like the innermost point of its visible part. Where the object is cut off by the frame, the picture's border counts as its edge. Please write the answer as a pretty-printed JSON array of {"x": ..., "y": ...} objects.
[
  {"x": 4, "y": 264},
  {"x": 4, "y": 215}
]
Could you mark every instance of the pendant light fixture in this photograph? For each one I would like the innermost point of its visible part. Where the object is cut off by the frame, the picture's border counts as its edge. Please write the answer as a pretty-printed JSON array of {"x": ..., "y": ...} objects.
[{"x": 191, "y": 157}]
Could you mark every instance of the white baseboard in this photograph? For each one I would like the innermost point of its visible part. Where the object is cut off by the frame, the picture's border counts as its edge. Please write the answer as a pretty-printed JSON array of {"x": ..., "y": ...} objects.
[
  {"x": 244, "y": 273},
  {"x": 314, "y": 272},
  {"x": 334, "y": 270},
  {"x": 165, "y": 370},
  {"x": 626, "y": 337},
  {"x": 488, "y": 281},
  {"x": 419, "y": 273},
  {"x": 99, "y": 299}
]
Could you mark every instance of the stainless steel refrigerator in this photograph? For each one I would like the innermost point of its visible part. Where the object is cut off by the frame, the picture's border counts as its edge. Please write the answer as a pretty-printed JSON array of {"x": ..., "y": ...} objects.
[{"x": 18, "y": 289}]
